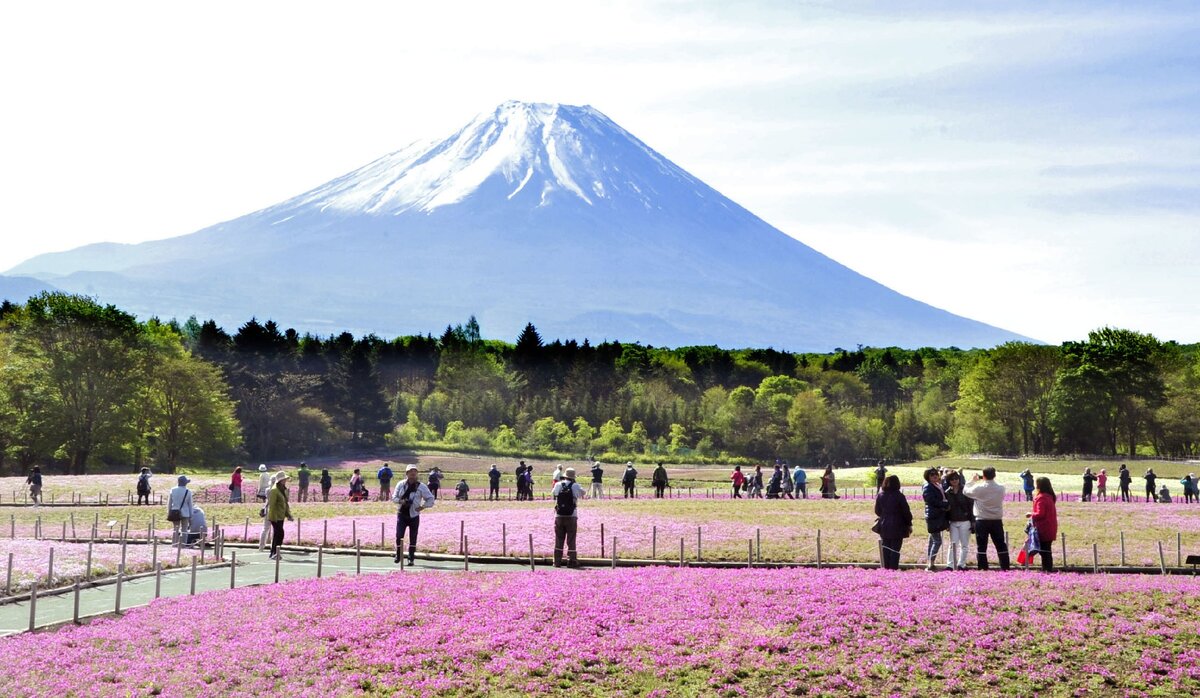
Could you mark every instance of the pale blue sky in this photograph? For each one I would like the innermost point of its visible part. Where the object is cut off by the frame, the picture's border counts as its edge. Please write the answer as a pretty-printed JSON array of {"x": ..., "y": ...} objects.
[{"x": 1034, "y": 168}]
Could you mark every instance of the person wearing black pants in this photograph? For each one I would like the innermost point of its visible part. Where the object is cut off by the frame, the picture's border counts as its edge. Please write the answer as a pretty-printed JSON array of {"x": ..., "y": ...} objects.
[
  {"x": 277, "y": 511},
  {"x": 989, "y": 516},
  {"x": 411, "y": 498},
  {"x": 895, "y": 521},
  {"x": 1124, "y": 478},
  {"x": 995, "y": 529}
]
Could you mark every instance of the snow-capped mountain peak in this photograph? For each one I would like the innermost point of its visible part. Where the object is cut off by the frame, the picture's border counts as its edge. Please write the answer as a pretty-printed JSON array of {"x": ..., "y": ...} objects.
[{"x": 528, "y": 153}]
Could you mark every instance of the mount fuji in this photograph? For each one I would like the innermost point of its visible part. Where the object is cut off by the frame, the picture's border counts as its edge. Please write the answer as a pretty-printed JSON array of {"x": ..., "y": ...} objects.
[{"x": 541, "y": 213}]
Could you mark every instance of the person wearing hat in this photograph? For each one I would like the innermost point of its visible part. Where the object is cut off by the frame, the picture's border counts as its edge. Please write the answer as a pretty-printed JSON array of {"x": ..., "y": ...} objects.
[
  {"x": 411, "y": 498},
  {"x": 264, "y": 483},
  {"x": 494, "y": 482},
  {"x": 179, "y": 511},
  {"x": 277, "y": 511},
  {"x": 272, "y": 478},
  {"x": 566, "y": 495},
  {"x": 597, "y": 480},
  {"x": 1123, "y": 480},
  {"x": 629, "y": 479}
]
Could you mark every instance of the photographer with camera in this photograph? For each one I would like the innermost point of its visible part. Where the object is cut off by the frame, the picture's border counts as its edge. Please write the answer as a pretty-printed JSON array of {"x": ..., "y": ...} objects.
[{"x": 988, "y": 496}]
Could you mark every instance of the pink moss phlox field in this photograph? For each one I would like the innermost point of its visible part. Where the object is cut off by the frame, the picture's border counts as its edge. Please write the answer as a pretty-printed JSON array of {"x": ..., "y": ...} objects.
[
  {"x": 31, "y": 559},
  {"x": 648, "y": 631}
]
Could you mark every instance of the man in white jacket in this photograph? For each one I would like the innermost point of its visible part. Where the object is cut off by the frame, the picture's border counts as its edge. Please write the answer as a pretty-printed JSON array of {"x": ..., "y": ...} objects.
[
  {"x": 411, "y": 497},
  {"x": 989, "y": 516}
]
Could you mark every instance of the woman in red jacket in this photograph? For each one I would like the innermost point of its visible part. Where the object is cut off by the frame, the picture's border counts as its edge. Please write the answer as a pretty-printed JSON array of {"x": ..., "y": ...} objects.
[{"x": 1045, "y": 519}]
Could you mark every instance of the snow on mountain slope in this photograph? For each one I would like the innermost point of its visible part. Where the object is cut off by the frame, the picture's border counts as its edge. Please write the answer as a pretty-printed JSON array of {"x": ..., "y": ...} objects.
[
  {"x": 542, "y": 153},
  {"x": 541, "y": 213}
]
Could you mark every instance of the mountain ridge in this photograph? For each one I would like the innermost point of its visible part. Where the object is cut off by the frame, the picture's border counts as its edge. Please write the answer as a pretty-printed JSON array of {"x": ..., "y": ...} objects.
[{"x": 550, "y": 214}]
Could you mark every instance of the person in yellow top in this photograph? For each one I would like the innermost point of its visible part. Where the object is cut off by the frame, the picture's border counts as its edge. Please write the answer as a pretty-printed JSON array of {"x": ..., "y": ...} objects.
[{"x": 277, "y": 511}]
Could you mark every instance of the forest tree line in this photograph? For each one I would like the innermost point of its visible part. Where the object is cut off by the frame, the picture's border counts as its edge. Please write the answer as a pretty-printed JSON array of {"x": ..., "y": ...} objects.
[{"x": 89, "y": 384}]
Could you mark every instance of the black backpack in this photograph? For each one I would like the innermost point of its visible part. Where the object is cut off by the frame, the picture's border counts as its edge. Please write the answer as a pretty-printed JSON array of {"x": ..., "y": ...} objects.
[{"x": 564, "y": 505}]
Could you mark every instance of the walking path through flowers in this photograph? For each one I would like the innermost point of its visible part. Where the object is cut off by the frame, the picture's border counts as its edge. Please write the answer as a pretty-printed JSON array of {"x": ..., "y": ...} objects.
[{"x": 254, "y": 569}]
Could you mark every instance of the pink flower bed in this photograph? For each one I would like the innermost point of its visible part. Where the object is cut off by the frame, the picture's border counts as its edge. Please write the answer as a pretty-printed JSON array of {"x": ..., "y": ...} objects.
[
  {"x": 31, "y": 561},
  {"x": 647, "y": 631}
]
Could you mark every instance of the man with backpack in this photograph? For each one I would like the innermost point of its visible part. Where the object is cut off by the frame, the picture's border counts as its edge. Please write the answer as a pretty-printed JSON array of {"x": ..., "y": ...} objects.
[
  {"x": 435, "y": 481},
  {"x": 143, "y": 487},
  {"x": 35, "y": 484},
  {"x": 660, "y": 481},
  {"x": 566, "y": 495},
  {"x": 412, "y": 497},
  {"x": 385, "y": 483},
  {"x": 629, "y": 480}
]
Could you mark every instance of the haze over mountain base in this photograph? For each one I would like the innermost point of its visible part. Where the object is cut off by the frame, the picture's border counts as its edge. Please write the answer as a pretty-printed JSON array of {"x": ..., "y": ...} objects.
[{"x": 532, "y": 213}]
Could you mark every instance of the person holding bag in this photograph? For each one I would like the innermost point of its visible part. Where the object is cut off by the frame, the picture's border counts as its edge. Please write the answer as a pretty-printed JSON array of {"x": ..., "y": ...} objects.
[
  {"x": 179, "y": 511},
  {"x": 1044, "y": 518},
  {"x": 895, "y": 521}
]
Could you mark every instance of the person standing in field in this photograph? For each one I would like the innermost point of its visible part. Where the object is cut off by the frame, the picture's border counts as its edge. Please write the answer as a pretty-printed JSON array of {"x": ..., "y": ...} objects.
[
  {"x": 264, "y": 483},
  {"x": 1102, "y": 485},
  {"x": 895, "y": 521},
  {"x": 962, "y": 521},
  {"x": 880, "y": 474},
  {"x": 179, "y": 511},
  {"x": 800, "y": 477},
  {"x": 1189, "y": 488},
  {"x": 660, "y": 481},
  {"x": 235, "y": 486},
  {"x": 629, "y": 480},
  {"x": 435, "y": 480},
  {"x": 303, "y": 477},
  {"x": 1150, "y": 478},
  {"x": 566, "y": 495},
  {"x": 326, "y": 484},
  {"x": 738, "y": 480},
  {"x": 412, "y": 498},
  {"x": 1027, "y": 484},
  {"x": 989, "y": 517},
  {"x": 556, "y": 475},
  {"x": 520, "y": 475},
  {"x": 787, "y": 486},
  {"x": 265, "y": 511},
  {"x": 35, "y": 484},
  {"x": 1123, "y": 480},
  {"x": 356, "y": 486},
  {"x": 1045, "y": 519},
  {"x": 1088, "y": 479},
  {"x": 494, "y": 483},
  {"x": 937, "y": 512},
  {"x": 278, "y": 510},
  {"x": 597, "y": 480},
  {"x": 829, "y": 483},
  {"x": 143, "y": 487},
  {"x": 384, "y": 475}
]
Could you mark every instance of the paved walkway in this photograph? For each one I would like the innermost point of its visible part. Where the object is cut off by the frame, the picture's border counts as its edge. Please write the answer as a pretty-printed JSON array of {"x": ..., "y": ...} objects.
[{"x": 253, "y": 569}]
